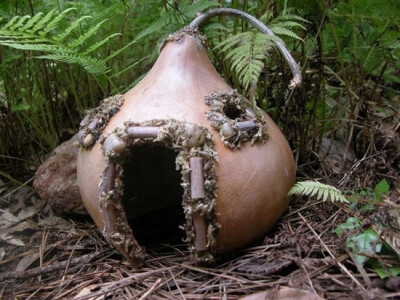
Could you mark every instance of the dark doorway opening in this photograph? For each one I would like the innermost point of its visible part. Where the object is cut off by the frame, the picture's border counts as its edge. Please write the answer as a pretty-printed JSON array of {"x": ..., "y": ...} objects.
[{"x": 153, "y": 194}]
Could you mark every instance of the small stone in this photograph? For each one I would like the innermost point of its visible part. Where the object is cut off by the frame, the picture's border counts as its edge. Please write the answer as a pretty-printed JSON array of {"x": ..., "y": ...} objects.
[
  {"x": 217, "y": 103},
  {"x": 194, "y": 135},
  {"x": 227, "y": 130},
  {"x": 88, "y": 140},
  {"x": 114, "y": 144},
  {"x": 190, "y": 129}
]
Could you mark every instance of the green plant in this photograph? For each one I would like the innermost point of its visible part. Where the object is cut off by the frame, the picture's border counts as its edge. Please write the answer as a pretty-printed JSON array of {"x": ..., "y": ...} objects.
[
  {"x": 368, "y": 247},
  {"x": 319, "y": 190},
  {"x": 365, "y": 236},
  {"x": 41, "y": 34},
  {"x": 37, "y": 96},
  {"x": 247, "y": 52},
  {"x": 366, "y": 242},
  {"x": 173, "y": 16}
]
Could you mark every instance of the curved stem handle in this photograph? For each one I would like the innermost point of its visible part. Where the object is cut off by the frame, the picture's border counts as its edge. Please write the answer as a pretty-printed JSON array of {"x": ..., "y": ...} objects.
[{"x": 198, "y": 21}]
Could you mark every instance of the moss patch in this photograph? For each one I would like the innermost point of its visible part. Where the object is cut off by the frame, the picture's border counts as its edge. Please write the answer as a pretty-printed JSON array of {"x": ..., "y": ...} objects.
[
  {"x": 96, "y": 120},
  {"x": 227, "y": 111},
  {"x": 179, "y": 36}
]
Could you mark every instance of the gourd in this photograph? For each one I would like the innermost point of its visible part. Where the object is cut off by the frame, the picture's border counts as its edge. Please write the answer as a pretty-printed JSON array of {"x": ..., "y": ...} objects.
[{"x": 235, "y": 165}]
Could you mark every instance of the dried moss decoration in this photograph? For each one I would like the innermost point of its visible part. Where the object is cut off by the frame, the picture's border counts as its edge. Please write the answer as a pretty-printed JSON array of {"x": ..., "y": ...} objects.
[
  {"x": 178, "y": 36},
  {"x": 231, "y": 114},
  {"x": 189, "y": 140},
  {"x": 96, "y": 119}
]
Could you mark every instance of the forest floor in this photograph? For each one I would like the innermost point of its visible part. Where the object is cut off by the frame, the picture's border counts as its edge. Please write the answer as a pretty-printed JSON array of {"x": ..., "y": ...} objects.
[{"x": 44, "y": 256}]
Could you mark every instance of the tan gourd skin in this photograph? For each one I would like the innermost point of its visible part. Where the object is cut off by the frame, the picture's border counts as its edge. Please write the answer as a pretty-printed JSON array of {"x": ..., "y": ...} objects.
[{"x": 252, "y": 181}]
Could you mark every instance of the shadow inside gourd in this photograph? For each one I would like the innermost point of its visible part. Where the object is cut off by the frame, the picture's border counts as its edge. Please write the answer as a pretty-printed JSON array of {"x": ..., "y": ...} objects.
[{"x": 152, "y": 196}]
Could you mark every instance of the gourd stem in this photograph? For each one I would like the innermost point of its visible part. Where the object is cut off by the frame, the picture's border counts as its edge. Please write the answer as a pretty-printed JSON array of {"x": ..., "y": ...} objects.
[{"x": 198, "y": 21}]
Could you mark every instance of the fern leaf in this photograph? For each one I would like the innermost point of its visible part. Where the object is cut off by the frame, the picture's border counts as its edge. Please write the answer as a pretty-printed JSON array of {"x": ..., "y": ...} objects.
[
  {"x": 68, "y": 31},
  {"x": 10, "y": 23},
  {"x": 30, "y": 34},
  {"x": 39, "y": 25},
  {"x": 238, "y": 51},
  {"x": 320, "y": 193},
  {"x": 191, "y": 10},
  {"x": 37, "y": 47},
  {"x": 100, "y": 43},
  {"x": 20, "y": 22},
  {"x": 288, "y": 24},
  {"x": 119, "y": 50},
  {"x": 323, "y": 191},
  {"x": 233, "y": 41},
  {"x": 247, "y": 52},
  {"x": 283, "y": 31},
  {"x": 157, "y": 25},
  {"x": 214, "y": 30},
  {"x": 177, "y": 18},
  {"x": 289, "y": 17},
  {"x": 53, "y": 23},
  {"x": 84, "y": 37},
  {"x": 92, "y": 65},
  {"x": 247, "y": 55},
  {"x": 32, "y": 21}
]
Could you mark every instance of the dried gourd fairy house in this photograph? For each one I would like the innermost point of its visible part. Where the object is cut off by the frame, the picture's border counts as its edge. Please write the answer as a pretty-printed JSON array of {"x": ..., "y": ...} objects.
[{"x": 184, "y": 138}]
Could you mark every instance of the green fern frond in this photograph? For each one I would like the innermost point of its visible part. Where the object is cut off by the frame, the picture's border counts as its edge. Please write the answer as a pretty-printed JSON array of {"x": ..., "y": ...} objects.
[
  {"x": 11, "y": 22},
  {"x": 192, "y": 9},
  {"x": 101, "y": 43},
  {"x": 84, "y": 37},
  {"x": 20, "y": 22},
  {"x": 54, "y": 22},
  {"x": 279, "y": 30},
  {"x": 175, "y": 19},
  {"x": 36, "y": 47},
  {"x": 71, "y": 28},
  {"x": 157, "y": 25},
  {"x": 214, "y": 30},
  {"x": 42, "y": 21},
  {"x": 91, "y": 65},
  {"x": 32, "y": 21},
  {"x": 287, "y": 24},
  {"x": 36, "y": 34},
  {"x": 288, "y": 18},
  {"x": 320, "y": 190},
  {"x": 247, "y": 52},
  {"x": 115, "y": 53}
]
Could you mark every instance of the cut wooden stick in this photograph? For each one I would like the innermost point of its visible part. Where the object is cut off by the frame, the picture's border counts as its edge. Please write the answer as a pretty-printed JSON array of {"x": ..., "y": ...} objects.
[
  {"x": 246, "y": 125},
  {"x": 107, "y": 184},
  {"x": 200, "y": 232},
  {"x": 85, "y": 120},
  {"x": 251, "y": 112},
  {"x": 197, "y": 190},
  {"x": 92, "y": 125},
  {"x": 140, "y": 132}
]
